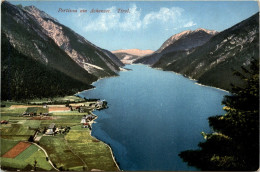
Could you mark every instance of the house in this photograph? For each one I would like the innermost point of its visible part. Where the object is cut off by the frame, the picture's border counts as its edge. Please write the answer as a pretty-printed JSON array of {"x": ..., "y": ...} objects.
[
  {"x": 83, "y": 120},
  {"x": 4, "y": 122},
  {"x": 86, "y": 125},
  {"x": 83, "y": 109},
  {"x": 86, "y": 118},
  {"x": 49, "y": 132},
  {"x": 51, "y": 129},
  {"x": 99, "y": 104},
  {"x": 90, "y": 117},
  {"x": 92, "y": 105}
]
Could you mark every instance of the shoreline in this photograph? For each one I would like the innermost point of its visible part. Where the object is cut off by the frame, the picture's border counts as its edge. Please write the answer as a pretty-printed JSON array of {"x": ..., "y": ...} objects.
[
  {"x": 190, "y": 78},
  {"x": 93, "y": 121},
  {"x": 111, "y": 151},
  {"x": 94, "y": 87}
]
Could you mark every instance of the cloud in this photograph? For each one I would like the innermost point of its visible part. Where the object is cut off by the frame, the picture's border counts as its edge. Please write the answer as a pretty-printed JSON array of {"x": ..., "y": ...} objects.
[
  {"x": 105, "y": 21},
  {"x": 169, "y": 17},
  {"x": 132, "y": 20},
  {"x": 189, "y": 24},
  {"x": 163, "y": 15}
]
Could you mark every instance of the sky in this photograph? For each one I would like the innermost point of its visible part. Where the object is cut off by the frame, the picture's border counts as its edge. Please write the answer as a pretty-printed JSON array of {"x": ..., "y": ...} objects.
[{"x": 144, "y": 24}]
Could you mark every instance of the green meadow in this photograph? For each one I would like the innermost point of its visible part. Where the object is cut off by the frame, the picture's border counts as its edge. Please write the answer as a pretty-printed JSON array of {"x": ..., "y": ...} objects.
[{"x": 76, "y": 150}]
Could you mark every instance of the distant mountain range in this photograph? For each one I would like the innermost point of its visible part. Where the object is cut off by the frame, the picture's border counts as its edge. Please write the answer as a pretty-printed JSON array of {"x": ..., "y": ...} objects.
[
  {"x": 130, "y": 55},
  {"x": 42, "y": 40},
  {"x": 208, "y": 56}
]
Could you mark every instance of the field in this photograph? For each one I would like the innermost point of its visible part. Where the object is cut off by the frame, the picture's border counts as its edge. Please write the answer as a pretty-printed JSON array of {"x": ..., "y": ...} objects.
[
  {"x": 16, "y": 129},
  {"x": 27, "y": 152},
  {"x": 37, "y": 110},
  {"x": 57, "y": 99},
  {"x": 16, "y": 150},
  {"x": 6, "y": 145},
  {"x": 25, "y": 160},
  {"x": 22, "y": 106},
  {"x": 58, "y": 109},
  {"x": 82, "y": 151},
  {"x": 90, "y": 149},
  {"x": 77, "y": 150},
  {"x": 60, "y": 154}
]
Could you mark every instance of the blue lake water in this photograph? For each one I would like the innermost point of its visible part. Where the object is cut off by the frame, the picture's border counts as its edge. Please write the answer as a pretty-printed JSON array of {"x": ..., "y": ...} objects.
[{"x": 153, "y": 115}]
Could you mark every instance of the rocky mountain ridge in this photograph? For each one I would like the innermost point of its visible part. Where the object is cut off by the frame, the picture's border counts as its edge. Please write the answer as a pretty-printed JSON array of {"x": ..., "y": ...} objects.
[
  {"x": 183, "y": 41},
  {"x": 213, "y": 62},
  {"x": 184, "y": 34},
  {"x": 61, "y": 36}
]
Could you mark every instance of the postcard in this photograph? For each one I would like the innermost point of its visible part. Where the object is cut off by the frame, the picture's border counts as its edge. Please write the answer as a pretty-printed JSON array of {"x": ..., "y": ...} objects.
[{"x": 129, "y": 86}]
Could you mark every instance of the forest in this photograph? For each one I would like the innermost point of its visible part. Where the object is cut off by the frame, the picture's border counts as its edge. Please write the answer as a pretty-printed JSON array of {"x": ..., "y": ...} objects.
[
  {"x": 25, "y": 78},
  {"x": 234, "y": 144}
]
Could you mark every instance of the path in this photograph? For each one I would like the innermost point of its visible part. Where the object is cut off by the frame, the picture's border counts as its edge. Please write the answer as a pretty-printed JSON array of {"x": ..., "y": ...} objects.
[
  {"x": 49, "y": 160},
  {"x": 85, "y": 165}
]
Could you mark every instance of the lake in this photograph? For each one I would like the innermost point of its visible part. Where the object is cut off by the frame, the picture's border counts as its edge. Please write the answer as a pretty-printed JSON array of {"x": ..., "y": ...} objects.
[{"x": 153, "y": 115}]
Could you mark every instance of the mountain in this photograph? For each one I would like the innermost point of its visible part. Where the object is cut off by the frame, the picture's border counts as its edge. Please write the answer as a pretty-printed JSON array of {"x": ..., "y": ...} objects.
[
  {"x": 213, "y": 63},
  {"x": 90, "y": 57},
  {"x": 182, "y": 42},
  {"x": 39, "y": 39},
  {"x": 23, "y": 77},
  {"x": 130, "y": 55}
]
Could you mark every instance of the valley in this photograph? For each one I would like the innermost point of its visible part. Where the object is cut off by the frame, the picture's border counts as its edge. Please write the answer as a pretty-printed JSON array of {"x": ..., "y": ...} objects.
[{"x": 70, "y": 103}]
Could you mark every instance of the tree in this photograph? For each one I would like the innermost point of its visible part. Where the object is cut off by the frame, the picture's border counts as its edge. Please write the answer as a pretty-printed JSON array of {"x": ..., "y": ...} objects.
[
  {"x": 234, "y": 144},
  {"x": 34, "y": 165}
]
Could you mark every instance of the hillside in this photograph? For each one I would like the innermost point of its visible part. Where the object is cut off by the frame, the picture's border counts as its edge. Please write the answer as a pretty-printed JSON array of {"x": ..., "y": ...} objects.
[
  {"x": 39, "y": 38},
  {"x": 23, "y": 77},
  {"x": 87, "y": 55},
  {"x": 130, "y": 55},
  {"x": 183, "y": 41},
  {"x": 213, "y": 63}
]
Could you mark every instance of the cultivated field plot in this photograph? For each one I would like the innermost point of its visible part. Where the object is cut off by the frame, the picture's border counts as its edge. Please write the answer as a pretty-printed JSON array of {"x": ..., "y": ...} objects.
[
  {"x": 60, "y": 154},
  {"x": 90, "y": 150},
  {"x": 32, "y": 123},
  {"x": 62, "y": 120},
  {"x": 58, "y": 109},
  {"x": 37, "y": 110},
  {"x": 12, "y": 112},
  {"x": 22, "y": 106},
  {"x": 57, "y": 99},
  {"x": 6, "y": 145},
  {"x": 72, "y": 113},
  {"x": 16, "y": 130},
  {"x": 27, "y": 152},
  {"x": 16, "y": 150}
]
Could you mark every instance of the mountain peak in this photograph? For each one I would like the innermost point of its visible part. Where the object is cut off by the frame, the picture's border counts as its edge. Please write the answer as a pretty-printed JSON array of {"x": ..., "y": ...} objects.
[
  {"x": 211, "y": 32},
  {"x": 179, "y": 35},
  {"x": 201, "y": 32},
  {"x": 36, "y": 12}
]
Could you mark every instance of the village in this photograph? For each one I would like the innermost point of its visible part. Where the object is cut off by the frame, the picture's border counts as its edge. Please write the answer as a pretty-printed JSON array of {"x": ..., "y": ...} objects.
[
  {"x": 44, "y": 112},
  {"x": 61, "y": 132}
]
